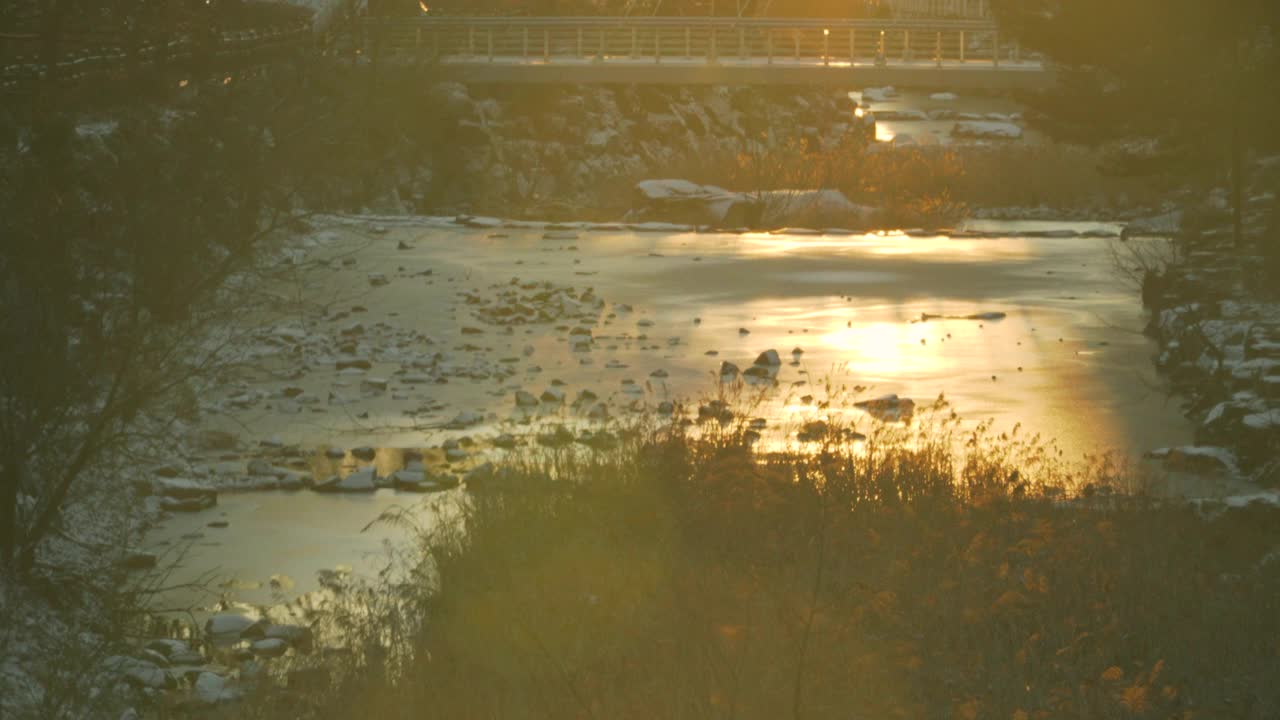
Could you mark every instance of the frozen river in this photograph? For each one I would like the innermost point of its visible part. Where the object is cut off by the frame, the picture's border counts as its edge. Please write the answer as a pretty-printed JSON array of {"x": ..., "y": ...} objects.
[{"x": 429, "y": 307}]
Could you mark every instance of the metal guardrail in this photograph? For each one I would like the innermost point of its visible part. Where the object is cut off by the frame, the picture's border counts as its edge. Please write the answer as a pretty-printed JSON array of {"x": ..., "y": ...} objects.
[
  {"x": 674, "y": 21},
  {"x": 943, "y": 43}
]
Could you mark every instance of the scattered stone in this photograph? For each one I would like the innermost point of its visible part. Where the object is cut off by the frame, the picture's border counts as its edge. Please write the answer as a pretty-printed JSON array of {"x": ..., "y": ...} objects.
[
  {"x": 139, "y": 561},
  {"x": 139, "y": 672},
  {"x": 558, "y": 436},
  {"x": 889, "y": 408},
  {"x": 769, "y": 358},
  {"x": 261, "y": 468},
  {"x": 464, "y": 419},
  {"x": 194, "y": 504},
  {"x": 353, "y": 363},
  {"x": 362, "y": 480},
  {"x": 813, "y": 431}
]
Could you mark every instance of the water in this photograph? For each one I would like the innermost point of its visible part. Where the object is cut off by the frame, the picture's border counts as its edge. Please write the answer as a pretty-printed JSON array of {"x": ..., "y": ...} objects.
[
  {"x": 1067, "y": 360},
  {"x": 938, "y": 131}
]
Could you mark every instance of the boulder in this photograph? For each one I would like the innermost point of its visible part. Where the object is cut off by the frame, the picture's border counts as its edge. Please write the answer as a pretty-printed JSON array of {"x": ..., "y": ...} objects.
[
  {"x": 682, "y": 201},
  {"x": 168, "y": 647},
  {"x": 362, "y": 480},
  {"x": 182, "y": 488},
  {"x": 810, "y": 208},
  {"x": 233, "y": 626},
  {"x": 1199, "y": 459},
  {"x": 211, "y": 689}
]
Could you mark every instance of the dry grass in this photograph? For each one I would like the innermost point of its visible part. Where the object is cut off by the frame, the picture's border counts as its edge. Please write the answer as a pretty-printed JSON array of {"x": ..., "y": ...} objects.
[
  {"x": 933, "y": 186},
  {"x": 684, "y": 576}
]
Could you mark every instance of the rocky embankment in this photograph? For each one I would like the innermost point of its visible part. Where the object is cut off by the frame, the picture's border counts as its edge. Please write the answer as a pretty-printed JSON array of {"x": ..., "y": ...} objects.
[
  {"x": 560, "y": 152},
  {"x": 1216, "y": 314}
]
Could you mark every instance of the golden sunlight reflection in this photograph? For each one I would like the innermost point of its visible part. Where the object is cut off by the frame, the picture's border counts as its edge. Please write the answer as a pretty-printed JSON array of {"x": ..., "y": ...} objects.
[{"x": 891, "y": 243}]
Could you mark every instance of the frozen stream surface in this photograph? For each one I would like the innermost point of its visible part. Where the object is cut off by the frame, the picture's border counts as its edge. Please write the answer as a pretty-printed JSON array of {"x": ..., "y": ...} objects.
[{"x": 1067, "y": 359}]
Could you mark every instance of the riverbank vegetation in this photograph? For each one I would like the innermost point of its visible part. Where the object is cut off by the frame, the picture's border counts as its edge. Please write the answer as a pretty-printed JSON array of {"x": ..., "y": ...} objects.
[
  {"x": 686, "y": 575},
  {"x": 939, "y": 186}
]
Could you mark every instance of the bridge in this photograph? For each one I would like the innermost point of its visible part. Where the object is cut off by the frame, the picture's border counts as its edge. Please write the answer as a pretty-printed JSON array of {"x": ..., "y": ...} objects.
[{"x": 962, "y": 54}]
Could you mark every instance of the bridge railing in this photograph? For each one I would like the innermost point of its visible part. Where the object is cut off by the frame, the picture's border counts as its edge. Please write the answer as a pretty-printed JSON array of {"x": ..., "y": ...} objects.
[
  {"x": 711, "y": 40},
  {"x": 940, "y": 8},
  {"x": 97, "y": 54}
]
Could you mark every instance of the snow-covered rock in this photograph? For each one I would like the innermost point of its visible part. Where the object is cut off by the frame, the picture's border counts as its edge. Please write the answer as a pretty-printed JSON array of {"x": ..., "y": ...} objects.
[
  {"x": 232, "y": 625},
  {"x": 810, "y": 208},
  {"x": 140, "y": 672},
  {"x": 681, "y": 200},
  {"x": 986, "y": 130},
  {"x": 1157, "y": 225},
  {"x": 879, "y": 94},
  {"x": 212, "y": 689},
  {"x": 269, "y": 647}
]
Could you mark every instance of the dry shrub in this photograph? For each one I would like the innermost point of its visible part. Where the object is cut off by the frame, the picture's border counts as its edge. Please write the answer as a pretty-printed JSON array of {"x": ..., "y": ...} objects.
[
  {"x": 1050, "y": 174},
  {"x": 686, "y": 575}
]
